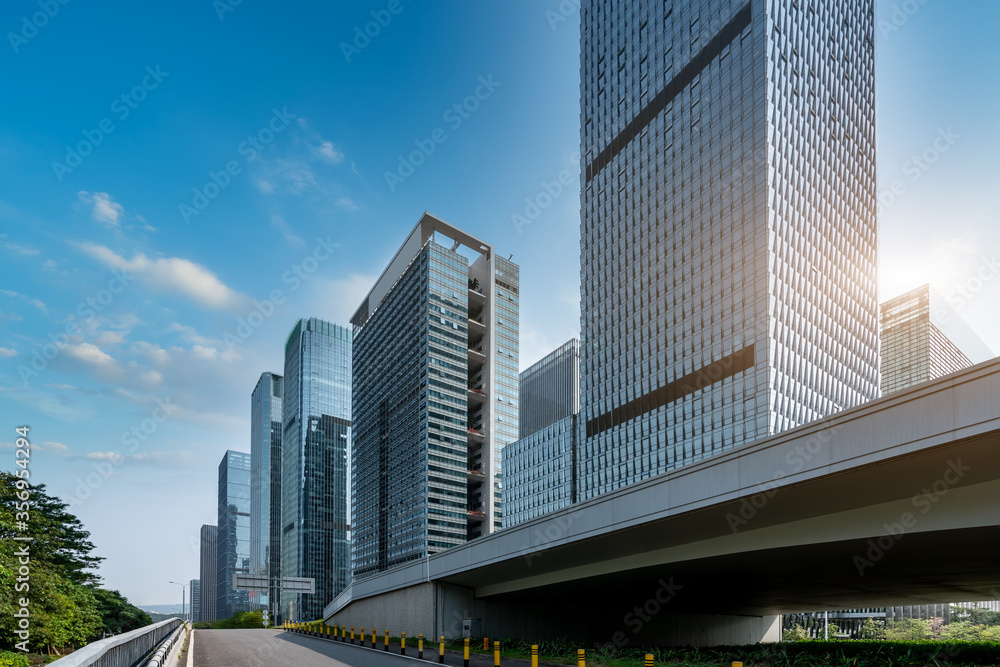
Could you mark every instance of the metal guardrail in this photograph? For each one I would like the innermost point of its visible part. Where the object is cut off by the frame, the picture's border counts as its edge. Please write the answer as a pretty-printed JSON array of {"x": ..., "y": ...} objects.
[{"x": 128, "y": 649}]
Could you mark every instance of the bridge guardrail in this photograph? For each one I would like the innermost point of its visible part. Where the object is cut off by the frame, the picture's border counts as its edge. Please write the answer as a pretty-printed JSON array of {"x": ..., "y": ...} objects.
[{"x": 128, "y": 649}]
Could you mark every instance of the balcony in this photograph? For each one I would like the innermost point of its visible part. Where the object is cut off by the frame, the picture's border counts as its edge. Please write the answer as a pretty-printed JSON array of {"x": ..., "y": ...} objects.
[
  {"x": 476, "y": 327},
  {"x": 476, "y": 395},
  {"x": 475, "y": 475},
  {"x": 476, "y": 356},
  {"x": 476, "y": 435},
  {"x": 476, "y": 516}
]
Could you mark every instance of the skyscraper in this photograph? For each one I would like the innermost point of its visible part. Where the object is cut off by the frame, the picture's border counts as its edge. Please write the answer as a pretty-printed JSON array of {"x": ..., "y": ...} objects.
[
  {"x": 265, "y": 488},
  {"x": 194, "y": 587},
  {"x": 209, "y": 570},
  {"x": 540, "y": 467},
  {"x": 234, "y": 532},
  {"x": 924, "y": 338},
  {"x": 550, "y": 389},
  {"x": 435, "y": 397},
  {"x": 315, "y": 445},
  {"x": 728, "y": 238}
]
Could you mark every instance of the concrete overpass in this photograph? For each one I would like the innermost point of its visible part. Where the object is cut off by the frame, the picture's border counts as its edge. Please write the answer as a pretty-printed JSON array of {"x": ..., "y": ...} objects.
[{"x": 896, "y": 502}]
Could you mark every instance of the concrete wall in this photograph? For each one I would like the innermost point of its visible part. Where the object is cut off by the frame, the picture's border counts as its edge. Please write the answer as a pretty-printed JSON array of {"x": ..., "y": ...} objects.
[{"x": 438, "y": 608}]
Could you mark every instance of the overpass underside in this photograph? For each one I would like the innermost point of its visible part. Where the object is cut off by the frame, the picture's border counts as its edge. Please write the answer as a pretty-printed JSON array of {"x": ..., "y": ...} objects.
[{"x": 894, "y": 503}]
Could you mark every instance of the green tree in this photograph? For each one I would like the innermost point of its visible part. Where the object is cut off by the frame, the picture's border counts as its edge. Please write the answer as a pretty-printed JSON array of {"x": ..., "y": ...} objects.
[
  {"x": 117, "y": 613},
  {"x": 908, "y": 630},
  {"x": 872, "y": 629}
]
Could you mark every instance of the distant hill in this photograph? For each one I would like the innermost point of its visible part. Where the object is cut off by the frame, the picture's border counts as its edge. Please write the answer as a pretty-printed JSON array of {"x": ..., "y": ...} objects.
[
  {"x": 161, "y": 608},
  {"x": 156, "y": 618}
]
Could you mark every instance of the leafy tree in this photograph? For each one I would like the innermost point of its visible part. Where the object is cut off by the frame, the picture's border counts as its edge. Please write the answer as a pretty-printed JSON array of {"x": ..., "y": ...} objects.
[
  {"x": 117, "y": 613},
  {"x": 908, "y": 630},
  {"x": 872, "y": 629},
  {"x": 975, "y": 615}
]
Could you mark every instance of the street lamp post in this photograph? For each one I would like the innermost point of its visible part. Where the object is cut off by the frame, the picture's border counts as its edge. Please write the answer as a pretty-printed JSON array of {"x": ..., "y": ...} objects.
[{"x": 183, "y": 599}]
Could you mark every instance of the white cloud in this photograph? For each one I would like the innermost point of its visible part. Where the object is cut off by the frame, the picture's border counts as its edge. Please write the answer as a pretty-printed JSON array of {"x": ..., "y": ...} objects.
[
  {"x": 329, "y": 152},
  {"x": 103, "y": 208},
  {"x": 20, "y": 249},
  {"x": 90, "y": 354},
  {"x": 27, "y": 299},
  {"x": 171, "y": 274},
  {"x": 106, "y": 368},
  {"x": 7, "y": 352},
  {"x": 282, "y": 225},
  {"x": 346, "y": 202},
  {"x": 50, "y": 446},
  {"x": 114, "y": 457}
]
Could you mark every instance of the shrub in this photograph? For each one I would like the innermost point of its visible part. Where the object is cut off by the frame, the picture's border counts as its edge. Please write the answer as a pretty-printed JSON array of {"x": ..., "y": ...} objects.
[{"x": 9, "y": 659}]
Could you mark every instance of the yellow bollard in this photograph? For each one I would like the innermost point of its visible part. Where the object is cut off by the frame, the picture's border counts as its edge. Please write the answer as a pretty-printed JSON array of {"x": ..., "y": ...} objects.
[
  {"x": 374, "y": 637},
  {"x": 362, "y": 636},
  {"x": 534, "y": 655},
  {"x": 402, "y": 643},
  {"x": 420, "y": 647},
  {"x": 465, "y": 654},
  {"x": 737, "y": 664},
  {"x": 581, "y": 658},
  {"x": 386, "y": 647},
  {"x": 352, "y": 634},
  {"x": 486, "y": 643},
  {"x": 496, "y": 654},
  {"x": 649, "y": 660},
  {"x": 441, "y": 651}
]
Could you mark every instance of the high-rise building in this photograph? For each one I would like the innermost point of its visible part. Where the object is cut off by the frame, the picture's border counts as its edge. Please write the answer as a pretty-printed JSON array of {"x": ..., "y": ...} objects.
[
  {"x": 728, "y": 237},
  {"x": 194, "y": 587},
  {"x": 539, "y": 470},
  {"x": 435, "y": 397},
  {"x": 550, "y": 389},
  {"x": 924, "y": 338},
  {"x": 265, "y": 488},
  {"x": 234, "y": 532},
  {"x": 315, "y": 446},
  {"x": 209, "y": 570}
]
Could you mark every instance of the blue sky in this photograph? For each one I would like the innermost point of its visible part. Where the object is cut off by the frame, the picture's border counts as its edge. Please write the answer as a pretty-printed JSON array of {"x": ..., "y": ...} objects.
[{"x": 279, "y": 141}]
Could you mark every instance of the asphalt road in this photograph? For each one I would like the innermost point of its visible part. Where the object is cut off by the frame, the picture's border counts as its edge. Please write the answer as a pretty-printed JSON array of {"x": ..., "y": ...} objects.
[{"x": 277, "y": 648}]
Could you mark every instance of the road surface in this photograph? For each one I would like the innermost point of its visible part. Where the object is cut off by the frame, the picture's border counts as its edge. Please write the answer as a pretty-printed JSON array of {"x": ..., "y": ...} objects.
[{"x": 277, "y": 648}]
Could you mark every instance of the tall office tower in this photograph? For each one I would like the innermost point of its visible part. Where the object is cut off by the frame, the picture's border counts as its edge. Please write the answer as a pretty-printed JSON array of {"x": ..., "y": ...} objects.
[
  {"x": 550, "y": 389},
  {"x": 435, "y": 397},
  {"x": 209, "y": 570},
  {"x": 265, "y": 489},
  {"x": 315, "y": 446},
  {"x": 924, "y": 338},
  {"x": 194, "y": 587},
  {"x": 234, "y": 532},
  {"x": 539, "y": 470},
  {"x": 728, "y": 237}
]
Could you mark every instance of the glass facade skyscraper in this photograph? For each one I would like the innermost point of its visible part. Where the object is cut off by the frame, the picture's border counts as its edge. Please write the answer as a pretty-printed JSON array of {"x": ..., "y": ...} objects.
[
  {"x": 540, "y": 468},
  {"x": 435, "y": 397},
  {"x": 194, "y": 588},
  {"x": 265, "y": 488},
  {"x": 209, "y": 570},
  {"x": 315, "y": 446},
  {"x": 550, "y": 388},
  {"x": 234, "y": 532},
  {"x": 728, "y": 239},
  {"x": 923, "y": 338}
]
